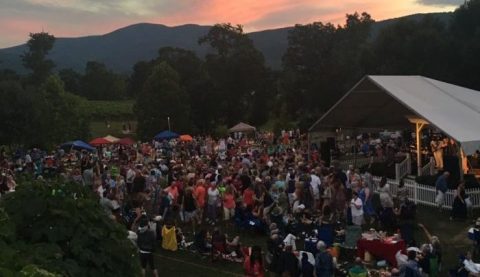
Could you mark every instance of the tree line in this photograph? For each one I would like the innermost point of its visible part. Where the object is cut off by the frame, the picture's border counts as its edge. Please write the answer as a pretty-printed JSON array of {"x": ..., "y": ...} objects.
[{"x": 232, "y": 83}]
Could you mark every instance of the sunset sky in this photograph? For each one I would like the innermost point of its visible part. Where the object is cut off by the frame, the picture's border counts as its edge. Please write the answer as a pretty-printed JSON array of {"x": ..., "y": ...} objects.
[{"x": 71, "y": 18}]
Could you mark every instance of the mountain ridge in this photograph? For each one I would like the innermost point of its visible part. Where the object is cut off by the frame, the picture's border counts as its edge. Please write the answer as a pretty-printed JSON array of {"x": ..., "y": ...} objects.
[{"x": 120, "y": 49}]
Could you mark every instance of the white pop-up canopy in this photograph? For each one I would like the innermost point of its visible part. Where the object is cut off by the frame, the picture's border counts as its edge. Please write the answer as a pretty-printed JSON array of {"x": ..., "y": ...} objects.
[{"x": 392, "y": 101}]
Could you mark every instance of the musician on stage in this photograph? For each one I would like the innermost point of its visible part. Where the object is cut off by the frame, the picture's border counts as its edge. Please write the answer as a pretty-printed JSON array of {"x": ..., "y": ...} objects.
[{"x": 437, "y": 146}]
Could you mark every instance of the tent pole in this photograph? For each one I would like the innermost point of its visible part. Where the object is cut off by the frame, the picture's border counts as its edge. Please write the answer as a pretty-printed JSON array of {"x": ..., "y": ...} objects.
[
  {"x": 460, "y": 160},
  {"x": 418, "y": 129}
]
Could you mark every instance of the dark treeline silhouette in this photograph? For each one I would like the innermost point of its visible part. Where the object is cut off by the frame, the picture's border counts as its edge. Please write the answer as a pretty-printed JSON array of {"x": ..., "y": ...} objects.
[{"x": 233, "y": 83}]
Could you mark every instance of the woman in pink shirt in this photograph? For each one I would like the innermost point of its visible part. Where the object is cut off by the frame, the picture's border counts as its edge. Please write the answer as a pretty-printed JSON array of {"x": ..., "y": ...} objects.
[{"x": 228, "y": 204}]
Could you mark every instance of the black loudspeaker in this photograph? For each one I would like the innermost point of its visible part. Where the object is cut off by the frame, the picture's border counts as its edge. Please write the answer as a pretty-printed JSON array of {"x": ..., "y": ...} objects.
[
  {"x": 326, "y": 149},
  {"x": 331, "y": 142},
  {"x": 325, "y": 152},
  {"x": 450, "y": 164}
]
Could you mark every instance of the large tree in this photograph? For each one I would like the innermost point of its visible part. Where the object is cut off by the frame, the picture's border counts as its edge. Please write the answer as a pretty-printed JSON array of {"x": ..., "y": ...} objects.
[
  {"x": 321, "y": 62},
  {"x": 59, "y": 229},
  {"x": 35, "y": 59},
  {"x": 19, "y": 114},
  {"x": 197, "y": 84},
  {"x": 71, "y": 80},
  {"x": 238, "y": 73},
  {"x": 414, "y": 48},
  {"x": 162, "y": 97},
  {"x": 99, "y": 83},
  {"x": 465, "y": 31},
  {"x": 63, "y": 116}
]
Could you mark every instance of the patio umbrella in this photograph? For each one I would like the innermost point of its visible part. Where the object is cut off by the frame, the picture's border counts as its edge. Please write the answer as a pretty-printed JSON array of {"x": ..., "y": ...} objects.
[
  {"x": 166, "y": 135},
  {"x": 125, "y": 141},
  {"x": 99, "y": 141},
  {"x": 78, "y": 145},
  {"x": 186, "y": 138},
  {"x": 112, "y": 139}
]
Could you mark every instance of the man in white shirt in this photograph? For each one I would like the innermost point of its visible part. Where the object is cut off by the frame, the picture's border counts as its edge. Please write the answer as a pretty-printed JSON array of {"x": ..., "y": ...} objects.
[
  {"x": 315, "y": 184},
  {"x": 356, "y": 206}
]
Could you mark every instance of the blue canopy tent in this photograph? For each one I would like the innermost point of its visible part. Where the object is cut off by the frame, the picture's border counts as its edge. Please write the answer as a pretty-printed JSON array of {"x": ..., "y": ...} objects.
[
  {"x": 78, "y": 145},
  {"x": 166, "y": 135}
]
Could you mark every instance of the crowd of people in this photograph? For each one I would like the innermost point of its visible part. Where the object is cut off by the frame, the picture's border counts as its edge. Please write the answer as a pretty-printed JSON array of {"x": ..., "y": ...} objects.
[{"x": 189, "y": 194}]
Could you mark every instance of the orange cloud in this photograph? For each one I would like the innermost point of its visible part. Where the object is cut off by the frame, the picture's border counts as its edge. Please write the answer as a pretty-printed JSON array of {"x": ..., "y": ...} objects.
[{"x": 90, "y": 17}]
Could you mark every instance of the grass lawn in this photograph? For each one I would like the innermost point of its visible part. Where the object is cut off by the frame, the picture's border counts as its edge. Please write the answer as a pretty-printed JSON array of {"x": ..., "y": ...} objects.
[
  {"x": 100, "y": 128},
  {"x": 120, "y": 109},
  {"x": 452, "y": 234}
]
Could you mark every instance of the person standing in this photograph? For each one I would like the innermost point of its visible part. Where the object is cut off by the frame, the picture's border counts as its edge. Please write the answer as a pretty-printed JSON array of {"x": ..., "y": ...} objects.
[
  {"x": 200, "y": 196},
  {"x": 441, "y": 186},
  {"x": 459, "y": 207},
  {"x": 212, "y": 203},
  {"x": 437, "y": 150},
  {"x": 356, "y": 207},
  {"x": 146, "y": 247},
  {"x": 315, "y": 184}
]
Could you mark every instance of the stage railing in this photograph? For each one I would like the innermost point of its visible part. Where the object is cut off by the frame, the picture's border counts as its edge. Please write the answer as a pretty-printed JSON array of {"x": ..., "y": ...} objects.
[
  {"x": 358, "y": 162},
  {"x": 429, "y": 168},
  {"x": 425, "y": 195},
  {"x": 403, "y": 168}
]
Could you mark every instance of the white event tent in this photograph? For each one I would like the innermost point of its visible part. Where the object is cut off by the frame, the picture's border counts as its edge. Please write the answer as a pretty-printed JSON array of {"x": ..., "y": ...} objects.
[{"x": 378, "y": 102}]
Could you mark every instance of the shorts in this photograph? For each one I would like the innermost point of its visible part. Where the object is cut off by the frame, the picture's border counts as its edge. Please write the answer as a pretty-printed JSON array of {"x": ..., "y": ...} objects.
[
  {"x": 228, "y": 213},
  {"x": 357, "y": 220},
  {"x": 189, "y": 216},
  {"x": 147, "y": 259}
]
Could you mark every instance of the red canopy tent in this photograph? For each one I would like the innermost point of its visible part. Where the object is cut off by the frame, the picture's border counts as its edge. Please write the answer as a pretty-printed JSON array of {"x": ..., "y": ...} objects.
[
  {"x": 99, "y": 141},
  {"x": 125, "y": 141},
  {"x": 186, "y": 138}
]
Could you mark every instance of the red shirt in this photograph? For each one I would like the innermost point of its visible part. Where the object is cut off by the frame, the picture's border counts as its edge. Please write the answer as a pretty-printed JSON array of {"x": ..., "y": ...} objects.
[
  {"x": 228, "y": 201},
  {"x": 248, "y": 197},
  {"x": 199, "y": 194}
]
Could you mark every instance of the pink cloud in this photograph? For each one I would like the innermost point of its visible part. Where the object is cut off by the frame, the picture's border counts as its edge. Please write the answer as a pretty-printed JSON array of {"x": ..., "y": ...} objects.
[{"x": 24, "y": 16}]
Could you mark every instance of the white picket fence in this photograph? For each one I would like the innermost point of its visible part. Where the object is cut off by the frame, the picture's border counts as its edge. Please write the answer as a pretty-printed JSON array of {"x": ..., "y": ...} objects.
[
  {"x": 425, "y": 195},
  {"x": 429, "y": 168},
  {"x": 403, "y": 168}
]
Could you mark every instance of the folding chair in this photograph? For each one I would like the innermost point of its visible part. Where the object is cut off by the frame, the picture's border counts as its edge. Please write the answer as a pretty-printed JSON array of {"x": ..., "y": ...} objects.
[{"x": 352, "y": 234}]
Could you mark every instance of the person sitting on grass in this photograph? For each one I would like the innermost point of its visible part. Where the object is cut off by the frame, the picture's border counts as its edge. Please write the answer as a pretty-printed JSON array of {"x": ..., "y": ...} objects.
[
  {"x": 253, "y": 264},
  {"x": 288, "y": 262},
  {"x": 434, "y": 245},
  {"x": 324, "y": 266},
  {"x": 410, "y": 269},
  {"x": 358, "y": 269},
  {"x": 245, "y": 219},
  {"x": 307, "y": 267},
  {"x": 202, "y": 242},
  {"x": 472, "y": 267}
]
